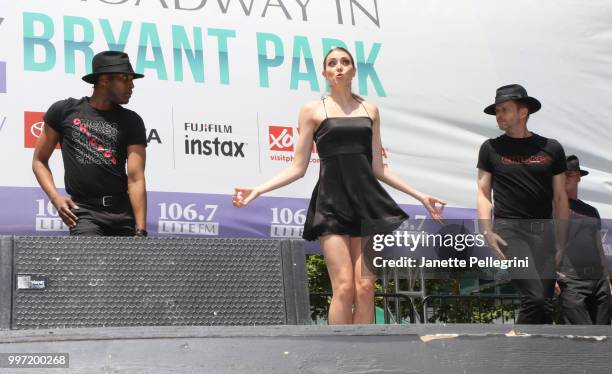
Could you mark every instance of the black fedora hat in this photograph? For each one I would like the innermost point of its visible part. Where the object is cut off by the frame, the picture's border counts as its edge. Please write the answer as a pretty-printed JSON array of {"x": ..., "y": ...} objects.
[
  {"x": 514, "y": 92},
  {"x": 573, "y": 164},
  {"x": 110, "y": 62}
]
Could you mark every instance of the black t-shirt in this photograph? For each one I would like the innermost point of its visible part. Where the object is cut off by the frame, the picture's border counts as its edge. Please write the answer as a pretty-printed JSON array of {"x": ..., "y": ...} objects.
[
  {"x": 523, "y": 170},
  {"x": 94, "y": 145},
  {"x": 585, "y": 223}
]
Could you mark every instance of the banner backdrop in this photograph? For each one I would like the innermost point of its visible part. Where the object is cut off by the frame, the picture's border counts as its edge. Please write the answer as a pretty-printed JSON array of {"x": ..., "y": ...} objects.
[{"x": 224, "y": 81}]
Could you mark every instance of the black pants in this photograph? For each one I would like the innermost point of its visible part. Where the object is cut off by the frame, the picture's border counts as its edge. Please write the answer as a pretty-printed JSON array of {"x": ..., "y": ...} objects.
[
  {"x": 534, "y": 239},
  {"x": 585, "y": 301},
  {"x": 96, "y": 220}
]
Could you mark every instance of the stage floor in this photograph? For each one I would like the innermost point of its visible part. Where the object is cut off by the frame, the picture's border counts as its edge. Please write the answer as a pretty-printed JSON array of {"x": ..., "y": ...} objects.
[{"x": 322, "y": 349}]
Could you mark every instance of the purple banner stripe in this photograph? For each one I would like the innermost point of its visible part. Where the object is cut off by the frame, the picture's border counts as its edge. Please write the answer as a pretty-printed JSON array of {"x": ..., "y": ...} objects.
[
  {"x": 27, "y": 211},
  {"x": 2, "y": 77}
]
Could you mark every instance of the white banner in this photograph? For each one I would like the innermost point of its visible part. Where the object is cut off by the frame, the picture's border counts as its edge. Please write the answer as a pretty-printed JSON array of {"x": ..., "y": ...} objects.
[{"x": 224, "y": 80}]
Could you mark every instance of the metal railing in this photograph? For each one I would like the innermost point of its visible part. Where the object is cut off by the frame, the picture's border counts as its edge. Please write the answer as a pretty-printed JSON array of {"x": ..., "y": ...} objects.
[
  {"x": 401, "y": 301},
  {"x": 470, "y": 308},
  {"x": 443, "y": 308}
]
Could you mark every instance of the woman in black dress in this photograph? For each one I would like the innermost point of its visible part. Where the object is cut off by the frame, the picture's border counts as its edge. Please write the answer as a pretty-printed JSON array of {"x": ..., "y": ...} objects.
[{"x": 348, "y": 196}]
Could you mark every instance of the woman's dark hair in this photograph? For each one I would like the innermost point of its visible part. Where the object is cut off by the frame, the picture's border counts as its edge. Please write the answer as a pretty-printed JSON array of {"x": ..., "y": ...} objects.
[{"x": 338, "y": 49}]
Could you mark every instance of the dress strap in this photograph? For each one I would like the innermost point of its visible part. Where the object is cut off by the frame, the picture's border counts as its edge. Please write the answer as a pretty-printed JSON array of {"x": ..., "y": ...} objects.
[
  {"x": 324, "y": 108},
  {"x": 364, "y": 108}
]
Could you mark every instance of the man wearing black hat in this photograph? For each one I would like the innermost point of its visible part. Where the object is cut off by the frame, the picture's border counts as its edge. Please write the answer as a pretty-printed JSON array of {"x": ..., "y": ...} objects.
[
  {"x": 583, "y": 275},
  {"x": 98, "y": 138},
  {"x": 526, "y": 173}
]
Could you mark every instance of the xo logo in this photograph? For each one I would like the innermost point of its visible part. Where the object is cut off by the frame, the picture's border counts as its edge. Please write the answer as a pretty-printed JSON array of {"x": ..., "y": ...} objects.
[{"x": 281, "y": 138}]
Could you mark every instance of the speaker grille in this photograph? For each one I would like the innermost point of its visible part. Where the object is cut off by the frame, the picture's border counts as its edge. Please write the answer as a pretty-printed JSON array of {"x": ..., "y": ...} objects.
[{"x": 110, "y": 281}]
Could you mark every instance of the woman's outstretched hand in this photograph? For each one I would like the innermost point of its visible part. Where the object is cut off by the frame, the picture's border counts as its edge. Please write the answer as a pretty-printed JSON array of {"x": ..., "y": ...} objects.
[
  {"x": 244, "y": 195},
  {"x": 434, "y": 206}
]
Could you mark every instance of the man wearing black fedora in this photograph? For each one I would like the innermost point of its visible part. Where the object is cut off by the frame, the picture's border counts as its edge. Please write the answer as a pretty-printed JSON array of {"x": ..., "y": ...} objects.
[
  {"x": 525, "y": 171},
  {"x": 98, "y": 138},
  {"x": 584, "y": 284}
]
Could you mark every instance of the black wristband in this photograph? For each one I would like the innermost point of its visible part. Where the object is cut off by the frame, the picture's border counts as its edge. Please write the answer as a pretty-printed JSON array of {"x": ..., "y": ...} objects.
[{"x": 140, "y": 232}]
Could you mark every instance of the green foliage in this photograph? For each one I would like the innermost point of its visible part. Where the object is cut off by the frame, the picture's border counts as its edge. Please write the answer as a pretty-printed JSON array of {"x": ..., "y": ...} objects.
[
  {"x": 318, "y": 282},
  {"x": 470, "y": 310}
]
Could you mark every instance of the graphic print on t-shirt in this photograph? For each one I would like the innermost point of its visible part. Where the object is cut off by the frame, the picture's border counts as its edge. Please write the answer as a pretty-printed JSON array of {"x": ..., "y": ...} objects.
[
  {"x": 95, "y": 141},
  {"x": 526, "y": 160}
]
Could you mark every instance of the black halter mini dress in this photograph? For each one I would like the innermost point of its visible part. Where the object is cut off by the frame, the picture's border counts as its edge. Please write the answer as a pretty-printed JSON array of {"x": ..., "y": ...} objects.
[{"x": 348, "y": 199}]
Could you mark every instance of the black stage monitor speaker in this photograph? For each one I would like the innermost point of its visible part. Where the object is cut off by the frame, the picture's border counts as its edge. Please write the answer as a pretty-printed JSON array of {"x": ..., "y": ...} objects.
[{"x": 110, "y": 281}]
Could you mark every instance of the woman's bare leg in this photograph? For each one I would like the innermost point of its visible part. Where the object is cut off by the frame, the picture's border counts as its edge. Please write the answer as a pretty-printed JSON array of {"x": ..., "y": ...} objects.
[
  {"x": 339, "y": 266},
  {"x": 364, "y": 286}
]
